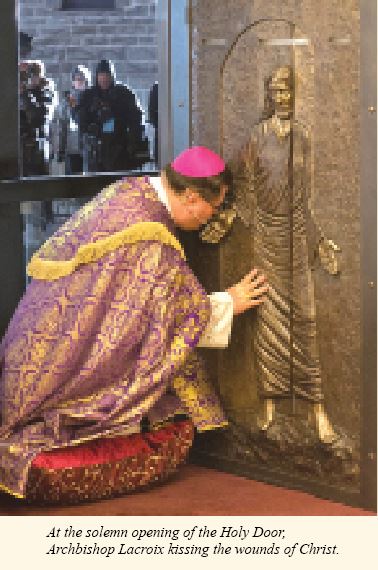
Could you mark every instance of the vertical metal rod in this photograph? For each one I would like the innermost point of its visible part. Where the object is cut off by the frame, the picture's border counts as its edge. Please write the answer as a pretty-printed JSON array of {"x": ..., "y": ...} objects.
[
  {"x": 9, "y": 116},
  {"x": 291, "y": 229},
  {"x": 190, "y": 59},
  {"x": 164, "y": 99},
  {"x": 368, "y": 189}
]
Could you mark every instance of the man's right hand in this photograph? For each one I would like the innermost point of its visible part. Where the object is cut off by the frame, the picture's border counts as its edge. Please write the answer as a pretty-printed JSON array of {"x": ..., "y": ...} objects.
[{"x": 250, "y": 292}]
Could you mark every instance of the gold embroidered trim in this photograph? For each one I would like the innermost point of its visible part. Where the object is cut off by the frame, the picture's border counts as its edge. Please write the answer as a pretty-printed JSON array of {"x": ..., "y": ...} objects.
[
  {"x": 7, "y": 490},
  {"x": 48, "y": 270},
  {"x": 212, "y": 426}
]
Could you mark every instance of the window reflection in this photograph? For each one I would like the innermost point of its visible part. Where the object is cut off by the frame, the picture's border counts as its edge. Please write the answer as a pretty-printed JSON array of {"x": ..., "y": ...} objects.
[
  {"x": 42, "y": 219},
  {"x": 88, "y": 88},
  {"x": 37, "y": 98},
  {"x": 110, "y": 124},
  {"x": 67, "y": 141}
]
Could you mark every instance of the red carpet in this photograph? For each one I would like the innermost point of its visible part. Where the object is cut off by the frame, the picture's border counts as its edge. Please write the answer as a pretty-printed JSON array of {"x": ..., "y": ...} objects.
[{"x": 198, "y": 491}]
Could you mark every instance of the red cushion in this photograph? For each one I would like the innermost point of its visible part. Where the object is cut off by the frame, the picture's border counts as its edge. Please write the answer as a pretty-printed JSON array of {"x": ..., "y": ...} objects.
[
  {"x": 102, "y": 450},
  {"x": 108, "y": 466}
]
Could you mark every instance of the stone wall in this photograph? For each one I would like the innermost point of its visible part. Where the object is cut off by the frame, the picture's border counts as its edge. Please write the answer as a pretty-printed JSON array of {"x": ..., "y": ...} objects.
[{"x": 63, "y": 39}]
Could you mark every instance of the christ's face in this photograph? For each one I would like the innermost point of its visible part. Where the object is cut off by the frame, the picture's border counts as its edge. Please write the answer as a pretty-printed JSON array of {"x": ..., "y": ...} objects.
[{"x": 282, "y": 98}]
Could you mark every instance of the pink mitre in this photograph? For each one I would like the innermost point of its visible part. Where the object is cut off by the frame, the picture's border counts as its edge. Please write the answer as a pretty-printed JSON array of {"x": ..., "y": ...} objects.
[{"x": 198, "y": 162}]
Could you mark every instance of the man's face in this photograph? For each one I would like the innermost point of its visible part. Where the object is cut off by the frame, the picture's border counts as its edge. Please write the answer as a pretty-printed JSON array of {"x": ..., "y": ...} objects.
[
  {"x": 78, "y": 83},
  {"x": 192, "y": 211},
  {"x": 104, "y": 80}
]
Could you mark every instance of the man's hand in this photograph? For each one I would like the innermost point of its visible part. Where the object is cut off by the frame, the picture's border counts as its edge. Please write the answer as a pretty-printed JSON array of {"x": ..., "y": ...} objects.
[
  {"x": 249, "y": 292},
  {"x": 72, "y": 101}
]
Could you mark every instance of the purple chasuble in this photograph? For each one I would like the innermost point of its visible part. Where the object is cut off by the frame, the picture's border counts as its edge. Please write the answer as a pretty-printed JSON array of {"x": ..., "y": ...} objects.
[{"x": 104, "y": 335}]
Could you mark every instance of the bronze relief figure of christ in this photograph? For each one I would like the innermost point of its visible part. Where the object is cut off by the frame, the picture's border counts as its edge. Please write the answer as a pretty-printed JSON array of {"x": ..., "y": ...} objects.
[{"x": 272, "y": 183}]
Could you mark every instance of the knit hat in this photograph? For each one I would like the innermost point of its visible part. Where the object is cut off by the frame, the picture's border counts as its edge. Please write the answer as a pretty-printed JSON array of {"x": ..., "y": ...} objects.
[{"x": 104, "y": 66}]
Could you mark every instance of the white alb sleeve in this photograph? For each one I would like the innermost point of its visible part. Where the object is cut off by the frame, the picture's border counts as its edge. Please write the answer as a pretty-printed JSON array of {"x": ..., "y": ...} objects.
[{"x": 218, "y": 330}]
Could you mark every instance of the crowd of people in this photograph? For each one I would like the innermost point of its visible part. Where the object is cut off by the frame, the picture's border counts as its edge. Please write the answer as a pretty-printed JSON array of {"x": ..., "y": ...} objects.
[{"x": 92, "y": 127}]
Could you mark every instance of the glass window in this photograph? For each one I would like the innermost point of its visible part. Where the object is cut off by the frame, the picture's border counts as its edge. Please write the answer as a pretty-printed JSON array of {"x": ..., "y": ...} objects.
[{"x": 87, "y": 87}]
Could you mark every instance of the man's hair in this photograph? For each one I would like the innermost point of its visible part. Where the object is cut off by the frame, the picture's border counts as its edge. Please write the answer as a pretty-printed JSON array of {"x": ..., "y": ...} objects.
[{"x": 207, "y": 187}]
